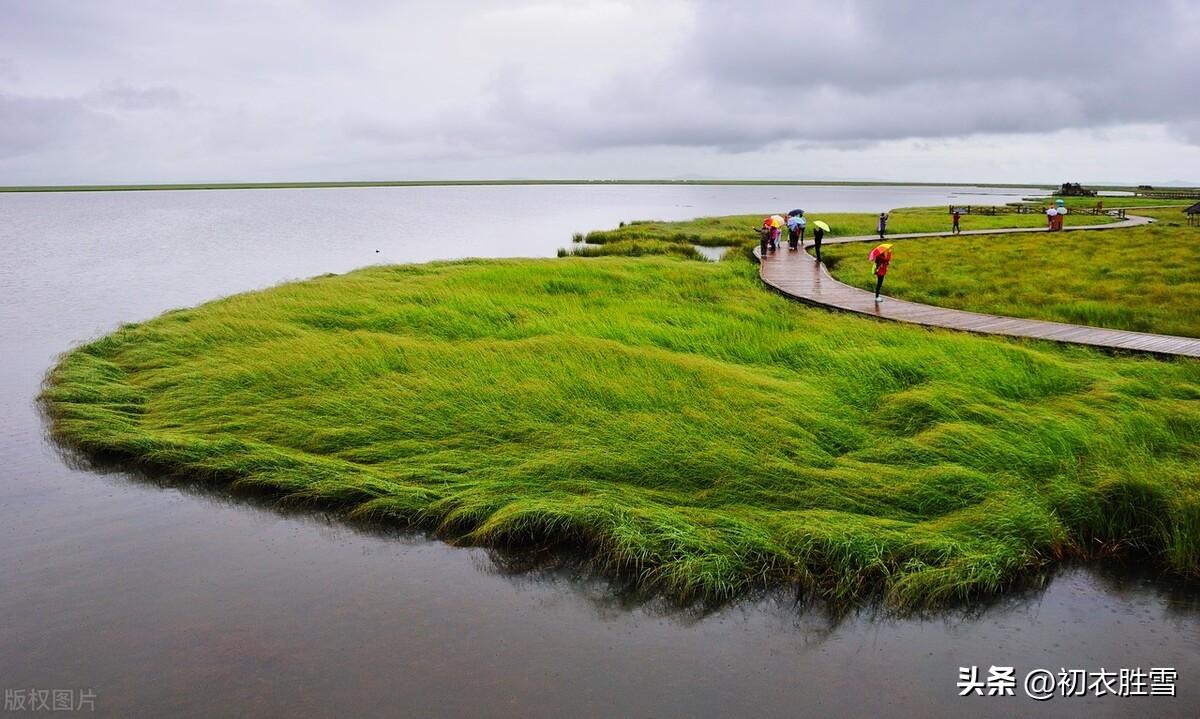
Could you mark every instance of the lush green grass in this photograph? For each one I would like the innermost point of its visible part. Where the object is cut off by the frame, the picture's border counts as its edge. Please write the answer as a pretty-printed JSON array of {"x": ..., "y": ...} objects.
[
  {"x": 1110, "y": 202},
  {"x": 632, "y": 248},
  {"x": 676, "y": 421},
  {"x": 740, "y": 229},
  {"x": 1143, "y": 279}
]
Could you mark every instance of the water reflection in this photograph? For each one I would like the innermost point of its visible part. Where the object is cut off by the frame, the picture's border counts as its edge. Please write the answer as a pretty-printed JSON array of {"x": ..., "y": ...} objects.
[
  {"x": 713, "y": 254},
  {"x": 1135, "y": 580}
]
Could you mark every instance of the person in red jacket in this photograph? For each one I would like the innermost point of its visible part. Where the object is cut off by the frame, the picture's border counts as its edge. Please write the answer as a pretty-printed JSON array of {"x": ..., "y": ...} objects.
[{"x": 882, "y": 257}]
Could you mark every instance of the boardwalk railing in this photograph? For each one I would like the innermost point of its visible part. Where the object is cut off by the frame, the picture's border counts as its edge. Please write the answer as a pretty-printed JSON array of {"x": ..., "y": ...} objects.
[
  {"x": 1189, "y": 194},
  {"x": 1027, "y": 209}
]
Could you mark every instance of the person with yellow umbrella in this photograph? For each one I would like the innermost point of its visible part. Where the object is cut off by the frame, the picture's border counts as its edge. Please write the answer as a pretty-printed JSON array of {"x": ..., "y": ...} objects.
[
  {"x": 769, "y": 233},
  {"x": 882, "y": 257},
  {"x": 819, "y": 230},
  {"x": 777, "y": 224}
]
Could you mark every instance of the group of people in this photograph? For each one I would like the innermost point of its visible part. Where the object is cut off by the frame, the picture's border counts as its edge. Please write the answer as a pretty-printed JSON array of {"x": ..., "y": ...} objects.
[
  {"x": 771, "y": 231},
  {"x": 1055, "y": 215}
]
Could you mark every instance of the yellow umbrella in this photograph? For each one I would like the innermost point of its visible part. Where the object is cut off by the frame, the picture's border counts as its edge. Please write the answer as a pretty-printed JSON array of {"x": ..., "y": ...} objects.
[{"x": 822, "y": 225}]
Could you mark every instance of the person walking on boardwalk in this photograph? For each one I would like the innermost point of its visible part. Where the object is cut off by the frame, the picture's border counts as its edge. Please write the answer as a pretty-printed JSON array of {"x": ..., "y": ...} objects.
[
  {"x": 881, "y": 224},
  {"x": 819, "y": 230},
  {"x": 955, "y": 216},
  {"x": 769, "y": 233},
  {"x": 1051, "y": 214},
  {"x": 764, "y": 236},
  {"x": 776, "y": 223},
  {"x": 795, "y": 231},
  {"x": 882, "y": 257},
  {"x": 796, "y": 224}
]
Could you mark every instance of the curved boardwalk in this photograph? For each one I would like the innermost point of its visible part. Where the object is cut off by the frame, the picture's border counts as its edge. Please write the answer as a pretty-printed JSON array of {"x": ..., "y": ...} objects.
[{"x": 798, "y": 275}]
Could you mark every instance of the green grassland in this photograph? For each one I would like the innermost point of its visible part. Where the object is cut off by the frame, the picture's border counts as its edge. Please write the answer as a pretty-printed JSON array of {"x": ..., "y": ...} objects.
[
  {"x": 1143, "y": 279},
  {"x": 652, "y": 237},
  {"x": 1110, "y": 202},
  {"x": 673, "y": 420}
]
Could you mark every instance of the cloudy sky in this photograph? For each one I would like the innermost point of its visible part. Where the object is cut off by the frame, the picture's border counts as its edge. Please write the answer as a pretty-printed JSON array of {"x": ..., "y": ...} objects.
[{"x": 1006, "y": 91}]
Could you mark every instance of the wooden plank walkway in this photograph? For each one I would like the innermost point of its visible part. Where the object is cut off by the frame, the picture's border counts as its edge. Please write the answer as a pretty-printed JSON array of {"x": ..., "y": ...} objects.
[{"x": 798, "y": 275}]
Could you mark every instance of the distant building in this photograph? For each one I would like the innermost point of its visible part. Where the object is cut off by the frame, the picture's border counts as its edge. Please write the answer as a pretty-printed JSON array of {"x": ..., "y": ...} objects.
[
  {"x": 1193, "y": 214},
  {"x": 1074, "y": 189}
]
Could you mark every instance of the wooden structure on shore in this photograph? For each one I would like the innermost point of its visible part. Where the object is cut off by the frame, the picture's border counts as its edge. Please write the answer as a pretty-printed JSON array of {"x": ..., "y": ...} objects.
[
  {"x": 1074, "y": 189},
  {"x": 1182, "y": 193},
  {"x": 1025, "y": 208}
]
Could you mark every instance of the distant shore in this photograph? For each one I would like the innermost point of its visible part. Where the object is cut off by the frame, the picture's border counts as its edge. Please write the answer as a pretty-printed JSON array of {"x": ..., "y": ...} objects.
[{"x": 469, "y": 183}]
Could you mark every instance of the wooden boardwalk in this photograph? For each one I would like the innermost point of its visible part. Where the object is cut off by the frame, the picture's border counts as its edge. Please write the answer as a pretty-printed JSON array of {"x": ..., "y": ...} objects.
[{"x": 798, "y": 275}]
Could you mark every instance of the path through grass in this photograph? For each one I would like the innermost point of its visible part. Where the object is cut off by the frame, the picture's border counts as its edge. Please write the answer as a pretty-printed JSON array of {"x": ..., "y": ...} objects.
[
  {"x": 652, "y": 237},
  {"x": 1143, "y": 279}
]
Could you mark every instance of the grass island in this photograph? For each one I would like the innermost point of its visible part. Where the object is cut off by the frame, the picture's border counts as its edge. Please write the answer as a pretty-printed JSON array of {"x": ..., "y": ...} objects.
[{"x": 674, "y": 420}]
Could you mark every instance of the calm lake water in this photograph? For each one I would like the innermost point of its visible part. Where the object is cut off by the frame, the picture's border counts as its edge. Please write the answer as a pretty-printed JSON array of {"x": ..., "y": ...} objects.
[{"x": 165, "y": 601}]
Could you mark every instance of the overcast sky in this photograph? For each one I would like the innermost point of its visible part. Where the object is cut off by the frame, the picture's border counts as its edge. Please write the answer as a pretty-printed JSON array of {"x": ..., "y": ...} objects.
[{"x": 1007, "y": 91}]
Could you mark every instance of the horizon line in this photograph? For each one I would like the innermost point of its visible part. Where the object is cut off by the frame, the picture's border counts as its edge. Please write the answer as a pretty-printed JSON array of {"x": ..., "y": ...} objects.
[{"x": 316, "y": 184}]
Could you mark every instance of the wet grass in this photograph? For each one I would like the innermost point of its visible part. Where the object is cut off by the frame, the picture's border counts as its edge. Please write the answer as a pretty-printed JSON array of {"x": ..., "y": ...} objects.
[
  {"x": 740, "y": 229},
  {"x": 632, "y": 248},
  {"x": 1143, "y": 279},
  {"x": 673, "y": 420},
  {"x": 1110, "y": 202}
]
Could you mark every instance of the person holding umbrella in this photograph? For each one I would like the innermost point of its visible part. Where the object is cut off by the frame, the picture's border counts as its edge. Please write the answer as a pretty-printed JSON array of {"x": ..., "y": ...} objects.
[
  {"x": 819, "y": 230},
  {"x": 777, "y": 225},
  {"x": 802, "y": 223},
  {"x": 796, "y": 223},
  {"x": 793, "y": 226},
  {"x": 882, "y": 257},
  {"x": 764, "y": 236},
  {"x": 769, "y": 233}
]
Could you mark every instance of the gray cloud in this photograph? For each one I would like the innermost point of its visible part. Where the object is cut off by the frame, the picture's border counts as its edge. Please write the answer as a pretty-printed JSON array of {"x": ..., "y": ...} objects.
[
  {"x": 123, "y": 97},
  {"x": 8, "y": 69},
  {"x": 229, "y": 90},
  {"x": 755, "y": 73},
  {"x": 31, "y": 124}
]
